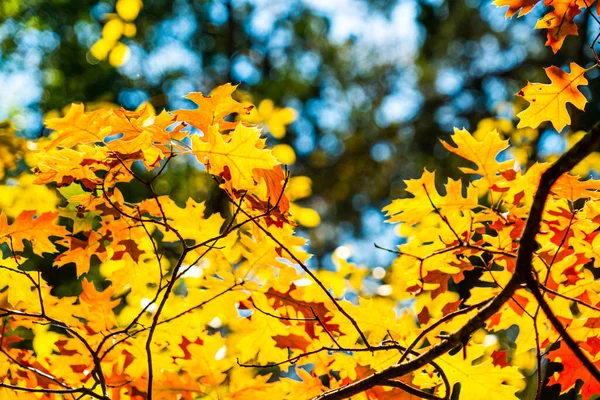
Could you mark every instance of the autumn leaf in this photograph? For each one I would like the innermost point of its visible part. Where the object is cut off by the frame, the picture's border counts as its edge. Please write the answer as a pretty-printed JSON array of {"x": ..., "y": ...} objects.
[
  {"x": 483, "y": 154},
  {"x": 411, "y": 210},
  {"x": 79, "y": 127},
  {"x": 235, "y": 159},
  {"x": 574, "y": 370},
  {"x": 478, "y": 377},
  {"x": 44, "y": 340},
  {"x": 548, "y": 102},
  {"x": 212, "y": 109},
  {"x": 521, "y": 6},
  {"x": 31, "y": 227},
  {"x": 559, "y": 21}
]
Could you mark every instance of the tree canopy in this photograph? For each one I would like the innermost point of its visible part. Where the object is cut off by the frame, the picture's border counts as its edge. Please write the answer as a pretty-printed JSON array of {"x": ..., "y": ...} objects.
[{"x": 153, "y": 253}]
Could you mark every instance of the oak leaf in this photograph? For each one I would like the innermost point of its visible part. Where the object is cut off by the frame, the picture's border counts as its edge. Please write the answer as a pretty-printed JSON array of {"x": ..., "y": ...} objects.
[
  {"x": 573, "y": 370},
  {"x": 559, "y": 21},
  {"x": 212, "y": 109},
  {"x": 31, "y": 227},
  {"x": 483, "y": 154},
  {"x": 548, "y": 102},
  {"x": 481, "y": 377},
  {"x": 521, "y": 6},
  {"x": 412, "y": 210},
  {"x": 233, "y": 160}
]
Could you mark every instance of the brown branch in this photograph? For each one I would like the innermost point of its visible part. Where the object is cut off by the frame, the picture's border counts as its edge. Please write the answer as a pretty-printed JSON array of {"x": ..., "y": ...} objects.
[
  {"x": 532, "y": 285},
  {"x": 85, "y": 391},
  {"x": 168, "y": 290},
  {"x": 443, "y": 217},
  {"x": 283, "y": 318},
  {"x": 325, "y": 328},
  {"x": 438, "y": 323},
  {"x": 414, "y": 391},
  {"x": 538, "y": 356},
  {"x": 573, "y": 299}
]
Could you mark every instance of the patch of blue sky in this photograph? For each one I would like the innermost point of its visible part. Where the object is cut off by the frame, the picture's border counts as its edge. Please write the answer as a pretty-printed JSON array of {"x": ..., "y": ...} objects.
[
  {"x": 243, "y": 70},
  {"x": 217, "y": 12},
  {"x": 87, "y": 33},
  {"x": 495, "y": 92},
  {"x": 494, "y": 16},
  {"x": 132, "y": 98},
  {"x": 308, "y": 65},
  {"x": 398, "y": 107},
  {"x": 374, "y": 230},
  {"x": 449, "y": 81},
  {"x": 176, "y": 89},
  {"x": 464, "y": 101},
  {"x": 280, "y": 39},
  {"x": 330, "y": 113},
  {"x": 20, "y": 73},
  {"x": 381, "y": 151},
  {"x": 174, "y": 57},
  {"x": 396, "y": 35},
  {"x": 405, "y": 101},
  {"x": 134, "y": 67},
  {"x": 100, "y": 9},
  {"x": 446, "y": 117},
  {"x": 180, "y": 27},
  {"x": 304, "y": 140},
  {"x": 551, "y": 143},
  {"x": 331, "y": 144}
]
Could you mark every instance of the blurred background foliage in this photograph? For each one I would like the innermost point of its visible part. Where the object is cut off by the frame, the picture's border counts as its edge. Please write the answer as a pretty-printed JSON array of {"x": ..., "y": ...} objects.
[{"x": 354, "y": 93}]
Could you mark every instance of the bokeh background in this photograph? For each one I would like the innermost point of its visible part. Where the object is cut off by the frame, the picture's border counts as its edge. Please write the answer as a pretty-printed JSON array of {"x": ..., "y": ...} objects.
[{"x": 359, "y": 91}]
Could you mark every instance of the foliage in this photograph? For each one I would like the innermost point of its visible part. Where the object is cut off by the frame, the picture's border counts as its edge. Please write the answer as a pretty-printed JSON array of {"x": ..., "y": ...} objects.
[{"x": 130, "y": 294}]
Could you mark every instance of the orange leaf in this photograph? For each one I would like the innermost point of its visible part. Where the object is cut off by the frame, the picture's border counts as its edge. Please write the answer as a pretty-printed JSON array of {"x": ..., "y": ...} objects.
[
  {"x": 573, "y": 370},
  {"x": 559, "y": 21},
  {"x": 234, "y": 159},
  {"x": 212, "y": 109},
  {"x": 36, "y": 230},
  {"x": 291, "y": 341},
  {"x": 514, "y": 6}
]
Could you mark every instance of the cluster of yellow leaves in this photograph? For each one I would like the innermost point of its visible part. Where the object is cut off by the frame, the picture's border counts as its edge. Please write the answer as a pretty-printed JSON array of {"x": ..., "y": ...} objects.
[
  {"x": 124, "y": 254},
  {"x": 205, "y": 301},
  {"x": 117, "y": 26}
]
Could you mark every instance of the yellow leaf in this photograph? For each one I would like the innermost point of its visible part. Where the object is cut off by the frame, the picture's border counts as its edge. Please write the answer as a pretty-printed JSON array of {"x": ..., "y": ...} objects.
[
  {"x": 233, "y": 160},
  {"x": 482, "y": 153},
  {"x": 31, "y": 227},
  {"x": 548, "y": 102},
  {"x": 477, "y": 377},
  {"x": 305, "y": 216},
  {"x": 112, "y": 30},
  {"x": 412, "y": 210},
  {"x": 284, "y": 153}
]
